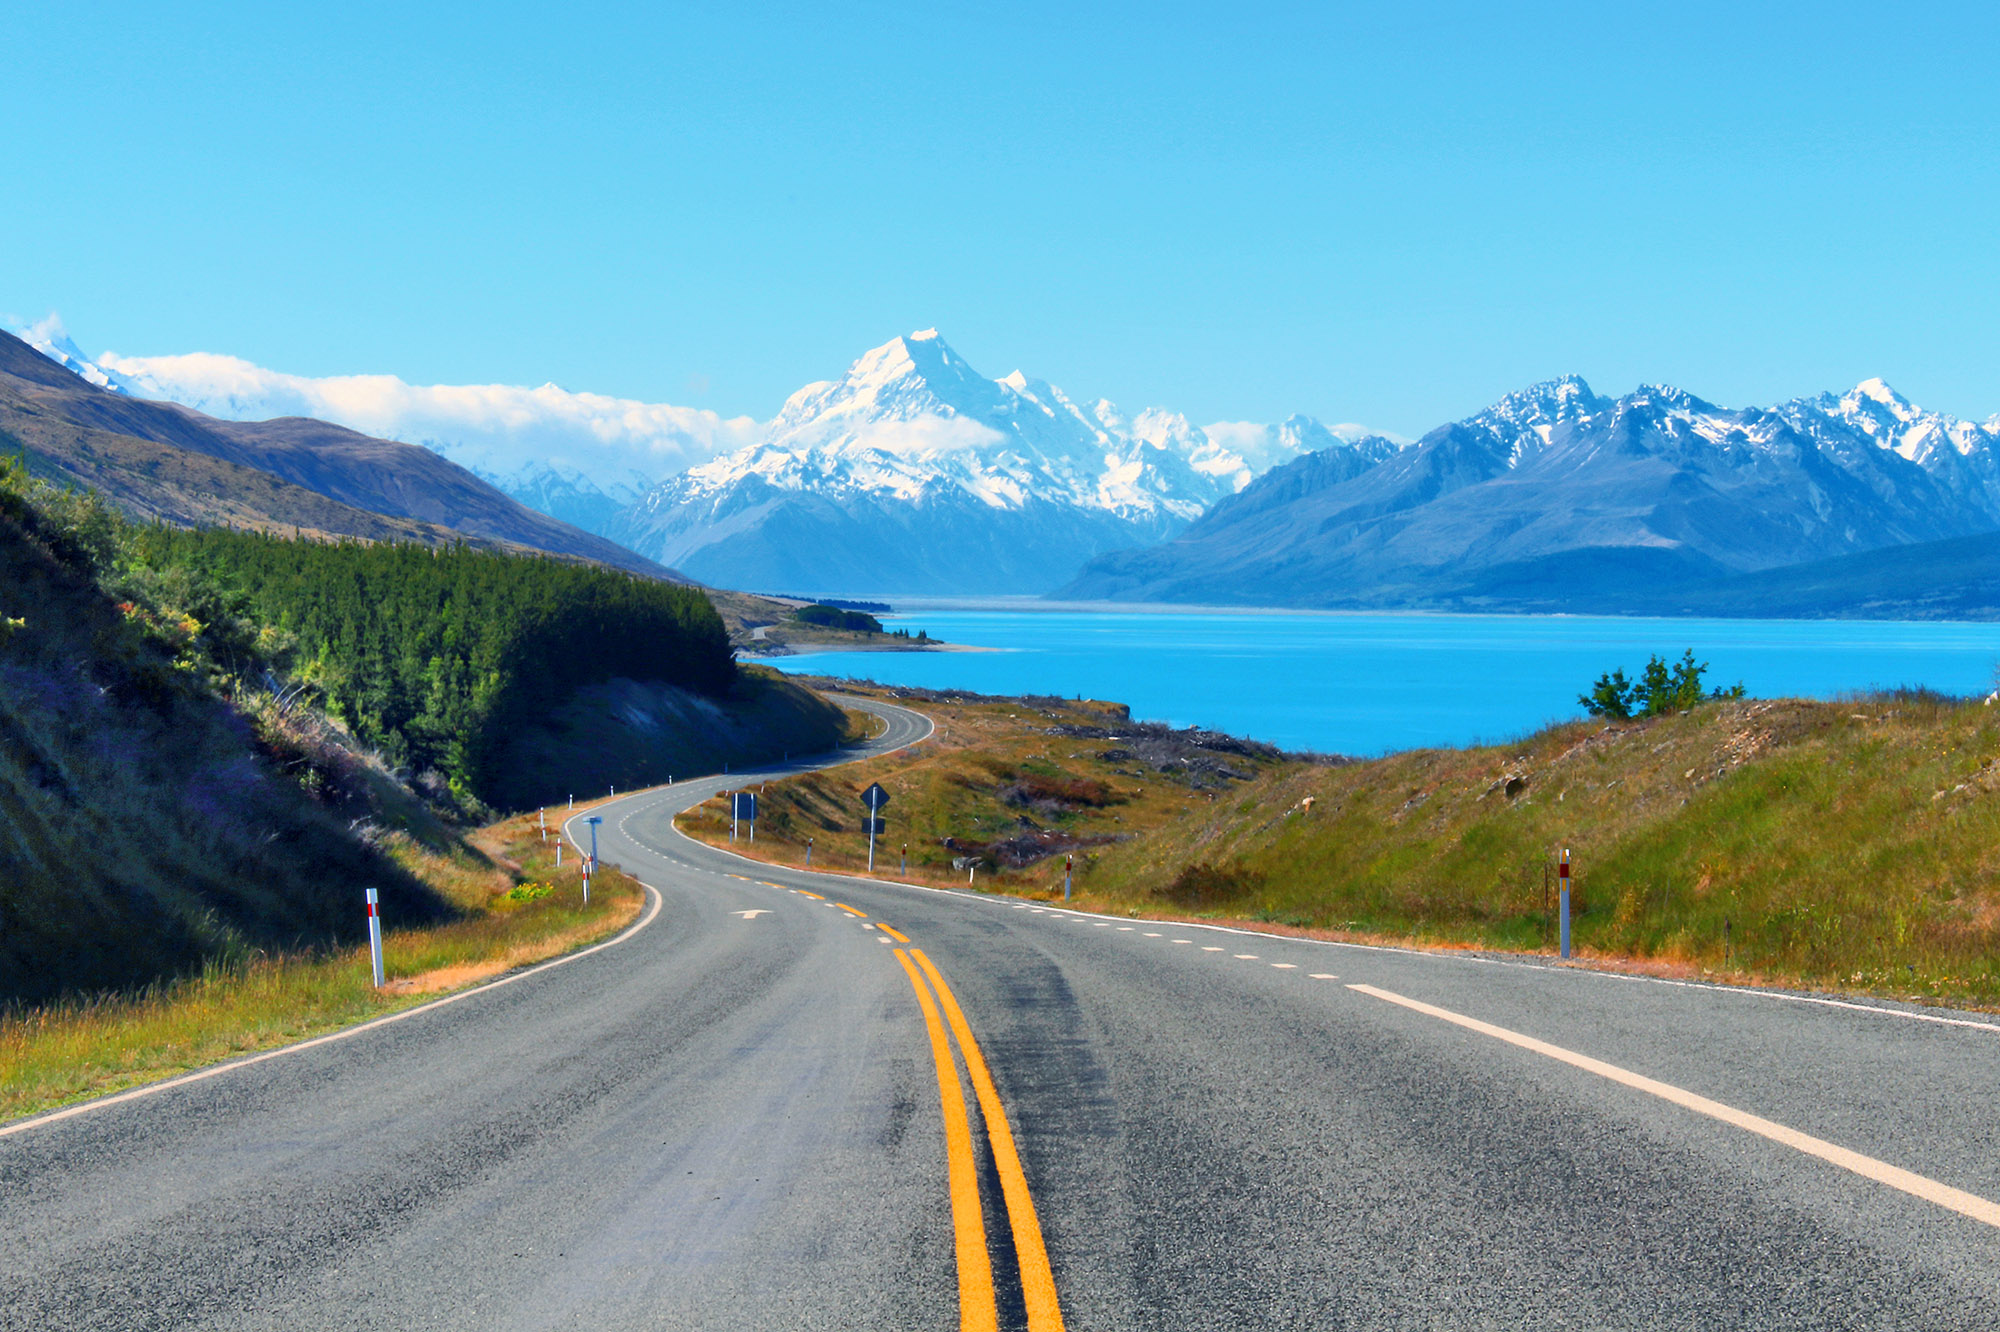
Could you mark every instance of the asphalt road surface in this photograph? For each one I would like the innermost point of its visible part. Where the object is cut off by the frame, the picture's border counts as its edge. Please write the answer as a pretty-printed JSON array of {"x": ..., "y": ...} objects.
[{"x": 789, "y": 1100}]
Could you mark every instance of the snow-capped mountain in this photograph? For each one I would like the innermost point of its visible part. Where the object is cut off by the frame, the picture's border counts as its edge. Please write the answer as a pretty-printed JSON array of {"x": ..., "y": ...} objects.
[
  {"x": 910, "y": 424},
  {"x": 914, "y": 473},
  {"x": 1557, "y": 497},
  {"x": 51, "y": 339},
  {"x": 582, "y": 457}
]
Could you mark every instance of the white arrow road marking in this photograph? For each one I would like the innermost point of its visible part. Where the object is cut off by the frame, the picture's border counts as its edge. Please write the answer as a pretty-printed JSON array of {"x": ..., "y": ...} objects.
[{"x": 750, "y": 915}]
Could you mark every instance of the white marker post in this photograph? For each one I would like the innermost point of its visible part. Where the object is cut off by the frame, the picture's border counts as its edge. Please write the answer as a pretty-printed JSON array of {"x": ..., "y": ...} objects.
[
  {"x": 1069, "y": 863},
  {"x": 374, "y": 938},
  {"x": 559, "y": 844},
  {"x": 809, "y": 853},
  {"x": 1562, "y": 873}
]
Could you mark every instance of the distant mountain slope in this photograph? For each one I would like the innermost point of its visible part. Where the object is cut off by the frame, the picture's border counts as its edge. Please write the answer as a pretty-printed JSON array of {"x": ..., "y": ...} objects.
[
  {"x": 1956, "y": 579},
  {"x": 1558, "y": 498},
  {"x": 163, "y": 460},
  {"x": 914, "y": 473}
]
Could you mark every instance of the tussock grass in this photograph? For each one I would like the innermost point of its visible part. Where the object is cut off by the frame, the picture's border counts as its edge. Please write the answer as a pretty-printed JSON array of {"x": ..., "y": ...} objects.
[
  {"x": 994, "y": 793},
  {"x": 70, "y": 1050},
  {"x": 1850, "y": 845}
]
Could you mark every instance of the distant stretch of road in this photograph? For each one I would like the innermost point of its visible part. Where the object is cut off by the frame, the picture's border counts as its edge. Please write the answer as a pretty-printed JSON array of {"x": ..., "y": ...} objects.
[{"x": 793, "y": 1100}]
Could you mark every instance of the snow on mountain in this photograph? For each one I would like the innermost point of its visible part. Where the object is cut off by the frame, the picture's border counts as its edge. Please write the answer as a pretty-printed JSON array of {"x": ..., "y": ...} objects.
[
  {"x": 1556, "y": 497},
  {"x": 1523, "y": 423},
  {"x": 911, "y": 415},
  {"x": 51, "y": 339},
  {"x": 561, "y": 452},
  {"x": 1016, "y": 482}
]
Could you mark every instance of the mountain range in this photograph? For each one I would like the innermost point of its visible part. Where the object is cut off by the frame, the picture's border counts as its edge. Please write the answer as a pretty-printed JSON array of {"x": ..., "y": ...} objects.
[
  {"x": 1556, "y": 498},
  {"x": 909, "y": 473},
  {"x": 912, "y": 473},
  {"x": 167, "y": 462}
]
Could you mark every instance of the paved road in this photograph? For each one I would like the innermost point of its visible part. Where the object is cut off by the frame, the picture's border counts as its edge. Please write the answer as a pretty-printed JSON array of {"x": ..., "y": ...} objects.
[{"x": 734, "y": 1120}]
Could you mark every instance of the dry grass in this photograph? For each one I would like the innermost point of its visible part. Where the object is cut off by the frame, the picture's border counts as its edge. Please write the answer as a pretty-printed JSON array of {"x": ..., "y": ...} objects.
[
  {"x": 60, "y": 1053},
  {"x": 993, "y": 786},
  {"x": 1848, "y": 845}
]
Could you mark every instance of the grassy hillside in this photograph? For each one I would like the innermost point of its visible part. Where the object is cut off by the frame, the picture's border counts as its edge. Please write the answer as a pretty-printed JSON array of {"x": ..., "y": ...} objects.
[
  {"x": 1843, "y": 844},
  {"x": 511, "y": 907},
  {"x": 170, "y": 800},
  {"x": 627, "y": 734},
  {"x": 162, "y": 461},
  {"x": 146, "y": 825},
  {"x": 440, "y": 657}
]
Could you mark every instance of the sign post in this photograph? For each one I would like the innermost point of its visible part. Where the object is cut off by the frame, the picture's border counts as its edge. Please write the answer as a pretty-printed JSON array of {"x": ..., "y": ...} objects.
[
  {"x": 1562, "y": 875},
  {"x": 743, "y": 805},
  {"x": 374, "y": 939},
  {"x": 874, "y": 798}
]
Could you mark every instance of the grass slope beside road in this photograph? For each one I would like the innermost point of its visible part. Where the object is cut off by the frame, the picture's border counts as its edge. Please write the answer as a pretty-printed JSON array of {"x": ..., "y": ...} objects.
[
  {"x": 517, "y": 908},
  {"x": 1847, "y": 845}
]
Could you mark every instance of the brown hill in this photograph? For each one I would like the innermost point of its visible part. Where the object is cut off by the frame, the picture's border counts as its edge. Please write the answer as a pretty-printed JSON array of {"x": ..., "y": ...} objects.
[{"x": 163, "y": 461}]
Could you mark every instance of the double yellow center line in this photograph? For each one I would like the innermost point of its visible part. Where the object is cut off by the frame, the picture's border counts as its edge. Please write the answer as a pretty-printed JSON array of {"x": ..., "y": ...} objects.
[{"x": 977, "y": 1308}]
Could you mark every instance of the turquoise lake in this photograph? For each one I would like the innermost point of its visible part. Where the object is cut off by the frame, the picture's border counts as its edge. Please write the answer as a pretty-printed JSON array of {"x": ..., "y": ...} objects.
[{"x": 1368, "y": 684}]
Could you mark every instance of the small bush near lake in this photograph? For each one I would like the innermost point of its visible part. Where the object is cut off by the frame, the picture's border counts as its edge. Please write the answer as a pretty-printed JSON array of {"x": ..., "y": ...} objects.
[
  {"x": 833, "y": 617},
  {"x": 1659, "y": 690}
]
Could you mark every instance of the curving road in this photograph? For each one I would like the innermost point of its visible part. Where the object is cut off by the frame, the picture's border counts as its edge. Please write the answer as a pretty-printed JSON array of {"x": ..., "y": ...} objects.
[{"x": 740, "y": 1115}]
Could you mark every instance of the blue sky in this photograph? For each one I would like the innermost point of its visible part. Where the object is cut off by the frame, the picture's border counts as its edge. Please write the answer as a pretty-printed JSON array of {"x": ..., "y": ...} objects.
[{"x": 1383, "y": 214}]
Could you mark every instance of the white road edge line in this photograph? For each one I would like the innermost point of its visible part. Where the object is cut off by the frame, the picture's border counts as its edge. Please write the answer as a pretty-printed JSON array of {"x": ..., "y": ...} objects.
[
  {"x": 1930, "y": 1190},
  {"x": 154, "y": 1088},
  {"x": 1086, "y": 917}
]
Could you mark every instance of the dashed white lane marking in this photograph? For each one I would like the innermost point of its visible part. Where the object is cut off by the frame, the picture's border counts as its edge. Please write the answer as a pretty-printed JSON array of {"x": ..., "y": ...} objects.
[
  {"x": 1244, "y": 957},
  {"x": 1185, "y": 941},
  {"x": 1324, "y": 975},
  {"x": 1103, "y": 924},
  {"x": 1286, "y": 966},
  {"x": 1212, "y": 948},
  {"x": 1930, "y": 1190},
  {"x": 1152, "y": 934},
  {"x": 1125, "y": 929}
]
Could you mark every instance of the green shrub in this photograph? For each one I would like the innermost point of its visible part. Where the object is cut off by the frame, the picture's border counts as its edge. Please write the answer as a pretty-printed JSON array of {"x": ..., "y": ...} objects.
[{"x": 1660, "y": 689}]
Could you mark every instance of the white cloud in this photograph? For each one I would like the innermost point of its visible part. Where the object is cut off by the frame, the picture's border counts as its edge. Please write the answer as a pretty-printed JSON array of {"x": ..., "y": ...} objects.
[{"x": 497, "y": 428}]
